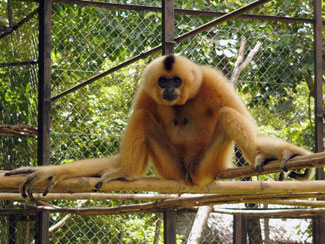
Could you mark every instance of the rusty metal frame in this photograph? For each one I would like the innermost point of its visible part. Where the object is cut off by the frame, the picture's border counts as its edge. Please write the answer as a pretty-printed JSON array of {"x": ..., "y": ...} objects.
[
  {"x": 44, "y": 106},
  {"x": 318, "y": 222},
  {"x": 205, "y": 27},
  {"x": 132, "y": 7}
]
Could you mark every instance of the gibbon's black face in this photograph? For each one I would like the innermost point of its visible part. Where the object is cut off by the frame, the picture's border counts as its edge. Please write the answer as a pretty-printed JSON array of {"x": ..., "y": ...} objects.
[
  {"x": 168, "y": 86},
  {"x": 171, "y": 80}
]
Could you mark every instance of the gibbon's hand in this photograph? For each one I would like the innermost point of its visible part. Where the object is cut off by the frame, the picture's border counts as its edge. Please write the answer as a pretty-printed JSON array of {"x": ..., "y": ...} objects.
[
  {"x": 35, "y": 175},
  {"x": 105, "y": 168}
]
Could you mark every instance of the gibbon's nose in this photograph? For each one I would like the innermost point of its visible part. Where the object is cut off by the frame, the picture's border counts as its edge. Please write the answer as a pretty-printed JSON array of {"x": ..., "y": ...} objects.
[{"x": 170, "y": 94}]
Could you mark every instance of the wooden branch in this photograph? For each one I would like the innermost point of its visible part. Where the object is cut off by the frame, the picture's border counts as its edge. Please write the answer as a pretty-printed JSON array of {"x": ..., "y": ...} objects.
[
  {"x": 18, "y": 130},
  {"x": 242, "y": 64},
  {"x": 200, "y": 222},
  {"x": 55, "y": 227},
  {"x": 315, "y": 160},
  {"x": 158, "y": 228},
  {"x": 87, "y": 184},
  {"x": 166, "y": 204},
  {"x": 96, "y": 196},
  {"x": 239, "y": 60}
]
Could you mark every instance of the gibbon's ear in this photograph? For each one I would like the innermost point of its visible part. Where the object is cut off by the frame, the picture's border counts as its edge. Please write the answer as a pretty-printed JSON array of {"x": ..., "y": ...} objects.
[{"x": 171, "y": 80}]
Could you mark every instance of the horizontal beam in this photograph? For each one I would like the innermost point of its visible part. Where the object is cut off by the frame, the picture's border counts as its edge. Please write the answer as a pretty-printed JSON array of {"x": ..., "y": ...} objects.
[
  {"x": 132, "y": 7},
  {"x": 87, "y": 184},
  {"x": 314, "y": 160}
]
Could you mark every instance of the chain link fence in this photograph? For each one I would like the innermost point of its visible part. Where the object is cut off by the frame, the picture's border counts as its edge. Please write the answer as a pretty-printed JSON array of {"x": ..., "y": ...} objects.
[{"x": 88, "y": 40}]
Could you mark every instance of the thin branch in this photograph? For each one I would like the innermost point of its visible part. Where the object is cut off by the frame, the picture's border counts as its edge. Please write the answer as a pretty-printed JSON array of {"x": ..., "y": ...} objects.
[
  {"x": 241, "y": 63},
  {"x": 163, "y": 205},
  {"x": 18, "y": 130},
  {"x": 200, "y": 222},
  {"x": 62, "y": 222},
  {"x": 18, "y": 63},
  {"x": 158, "y": 227},
  {"x": 95, "y": 196},
  {"x": 239, "y": 60}
]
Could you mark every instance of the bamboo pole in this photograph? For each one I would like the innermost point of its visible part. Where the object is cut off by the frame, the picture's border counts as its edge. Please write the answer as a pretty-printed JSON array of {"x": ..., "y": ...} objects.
[
  {"x": 156, "y": 207},
  {"x": 315, "y": 160},
  {"x": 87, "y": 184}
]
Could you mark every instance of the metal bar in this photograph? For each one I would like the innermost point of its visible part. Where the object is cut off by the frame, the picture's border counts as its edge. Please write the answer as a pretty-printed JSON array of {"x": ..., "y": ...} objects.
[
  {"x": 221, "y": 19},
  {"x": 143, "y": 55},
  {"x": 9, "y": 7},
  {"x": 169, "y": 227},
  {"x": 168, "y": 48},
  {"x": 12, "y": 229},
  {"x": 240, "y": 230},
  {"x": 168, "y": 27},
  {"x": 44, "y": 106},
  {"x": 107, "y": 72},
  {"x": 117, "y": 6},
  {"x": 318, "y": 221},
  {"x": 23, "y": 21}
]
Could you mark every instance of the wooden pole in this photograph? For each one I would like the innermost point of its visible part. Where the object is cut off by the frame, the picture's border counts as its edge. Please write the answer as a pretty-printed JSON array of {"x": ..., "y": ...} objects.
[{"x": 87, "y": 184}]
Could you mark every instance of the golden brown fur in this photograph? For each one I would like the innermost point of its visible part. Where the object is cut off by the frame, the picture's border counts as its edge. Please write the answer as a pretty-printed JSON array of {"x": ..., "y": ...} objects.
[{"x": 189, "y": 138}]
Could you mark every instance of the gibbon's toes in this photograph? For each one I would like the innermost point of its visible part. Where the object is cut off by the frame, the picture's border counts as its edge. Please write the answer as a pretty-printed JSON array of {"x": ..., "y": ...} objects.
[
  {"x": 53, "y": 181},
  {"x": 21, "y": 171},
  {"x": 308, "y": 174},
  {"x": 27, "y": 184},
  {"x": 285, "y": 161},
  {"x": 281, "y": 176},
  {"x": 99, "y": 185},
  {"x": 106, "y": 179},
  {"x": 259, "y": 163},
  {"x": 23, "y": 185}
]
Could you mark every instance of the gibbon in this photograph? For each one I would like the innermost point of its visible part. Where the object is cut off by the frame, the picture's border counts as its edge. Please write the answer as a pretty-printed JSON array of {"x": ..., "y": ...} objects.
[{"x": 186, "y": 119}]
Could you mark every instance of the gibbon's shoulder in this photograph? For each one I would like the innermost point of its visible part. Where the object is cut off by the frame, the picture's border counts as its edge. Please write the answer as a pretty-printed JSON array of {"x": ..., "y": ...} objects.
[{"x": 215, "y": 81}]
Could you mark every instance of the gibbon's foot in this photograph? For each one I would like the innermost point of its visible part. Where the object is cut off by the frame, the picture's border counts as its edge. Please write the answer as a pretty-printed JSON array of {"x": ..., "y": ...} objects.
[
  {"x": 260, "y": 161},
  {"x": 308, "y": 174},
  {"x": 34, "y": 176},
  {"x": 285, "y": 161},
  {"x": 105, "y": 180}
]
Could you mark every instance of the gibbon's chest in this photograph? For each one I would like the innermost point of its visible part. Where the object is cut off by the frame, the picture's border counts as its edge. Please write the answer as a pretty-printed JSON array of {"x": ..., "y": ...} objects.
[{"x": 189, "y": 124}]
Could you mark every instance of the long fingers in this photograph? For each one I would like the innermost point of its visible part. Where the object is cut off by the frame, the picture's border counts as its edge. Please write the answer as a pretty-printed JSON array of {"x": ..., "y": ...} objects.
[
  {"x": 109, "y": 177},
  {"x": 28, "y": 183},
  {"x": 21, "y": 171},
  {"x": 54, "y": 180},
  {"x": 24, "y": 183}
]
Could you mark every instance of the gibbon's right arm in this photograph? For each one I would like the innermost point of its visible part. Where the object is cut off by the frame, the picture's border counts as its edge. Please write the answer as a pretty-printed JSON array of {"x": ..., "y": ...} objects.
[{"x": 56, "y": 173}]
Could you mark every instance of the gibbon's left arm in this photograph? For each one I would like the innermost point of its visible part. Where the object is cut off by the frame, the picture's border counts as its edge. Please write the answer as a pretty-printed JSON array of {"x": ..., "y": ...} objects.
[{"x": 240, "y": 126}]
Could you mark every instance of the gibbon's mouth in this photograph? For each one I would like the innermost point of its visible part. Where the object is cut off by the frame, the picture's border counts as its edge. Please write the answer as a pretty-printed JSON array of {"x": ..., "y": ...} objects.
[{"x": 169, "y": 95}]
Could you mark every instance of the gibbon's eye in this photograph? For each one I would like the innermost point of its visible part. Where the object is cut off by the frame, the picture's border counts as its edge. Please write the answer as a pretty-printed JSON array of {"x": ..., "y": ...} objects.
[
  {"x": 177, "y": 81},
  {"x": 162, "y": 81}
]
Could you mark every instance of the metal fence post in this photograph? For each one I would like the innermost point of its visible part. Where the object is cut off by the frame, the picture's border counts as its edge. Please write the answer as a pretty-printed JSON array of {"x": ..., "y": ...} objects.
[
  {"x": 318, "y": 221},
  {"x": 168, "y": 48},
  {"x": 240, "y": 230},
  {"x": 44, "y": 104}
]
